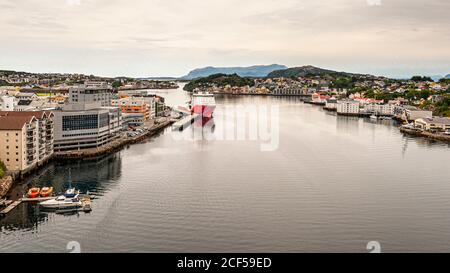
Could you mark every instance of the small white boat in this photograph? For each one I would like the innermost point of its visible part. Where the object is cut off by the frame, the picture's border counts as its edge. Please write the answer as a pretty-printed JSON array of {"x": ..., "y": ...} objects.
[
  {"x": 373, "y": 117},
  {"x": 62, "y": 202}
]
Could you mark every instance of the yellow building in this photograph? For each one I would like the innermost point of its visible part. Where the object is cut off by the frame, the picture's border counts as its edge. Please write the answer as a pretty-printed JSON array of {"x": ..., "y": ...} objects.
[
  {"x": 26, "y": 139},
  {"x": 438, "y": 124}
]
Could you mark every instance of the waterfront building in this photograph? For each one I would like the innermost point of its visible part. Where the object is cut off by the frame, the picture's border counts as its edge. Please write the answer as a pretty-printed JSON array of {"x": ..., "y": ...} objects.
[
  {"x": 411, "y": 113},
  {"x": 318, "y": 98},
  {"x": 379, "y": 109},
  {"x": 331, "y": 104},
  {"x": 85, "y": 122},
  {"x": 348, "y": 107},
  {"x": 26, "y": 139},
  {"x": 436, "y": 124}
]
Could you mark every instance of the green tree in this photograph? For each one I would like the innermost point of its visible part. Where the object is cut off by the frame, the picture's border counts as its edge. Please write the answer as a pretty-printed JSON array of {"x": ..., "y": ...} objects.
[
  {"x": 421, "y": 79},
  {"x": 2, "y": 169},
  {"x": 116, "y": 84}
]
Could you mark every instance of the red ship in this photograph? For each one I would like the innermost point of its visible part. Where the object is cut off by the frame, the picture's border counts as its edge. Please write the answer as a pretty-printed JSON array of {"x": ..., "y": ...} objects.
[{"x": 203, "y": 104}]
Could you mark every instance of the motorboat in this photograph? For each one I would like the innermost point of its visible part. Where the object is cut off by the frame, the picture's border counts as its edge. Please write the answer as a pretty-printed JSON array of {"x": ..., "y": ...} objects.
[
  {"x": 62, "y": 202},
  {"x": 373, "y": 117}
]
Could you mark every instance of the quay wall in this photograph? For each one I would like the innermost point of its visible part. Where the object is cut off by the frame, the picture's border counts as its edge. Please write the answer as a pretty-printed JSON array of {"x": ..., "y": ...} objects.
[
  {"x": 429, "y": 135},
  {"x": 8, "y": 181}
]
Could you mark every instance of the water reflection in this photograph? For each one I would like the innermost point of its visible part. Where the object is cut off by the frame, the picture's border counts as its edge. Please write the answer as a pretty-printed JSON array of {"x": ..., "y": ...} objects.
[
  {"x": 334, "y": 184},
  {"x": 96, "y": 176}
]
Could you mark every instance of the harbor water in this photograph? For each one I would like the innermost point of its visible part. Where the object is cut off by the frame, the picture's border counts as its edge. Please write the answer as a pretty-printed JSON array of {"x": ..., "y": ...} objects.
[{"x": 331, "y": 184}]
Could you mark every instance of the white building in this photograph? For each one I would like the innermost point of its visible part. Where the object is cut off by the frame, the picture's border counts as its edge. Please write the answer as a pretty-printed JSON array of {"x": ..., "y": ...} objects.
[
  {"x": 433, "y": 124},
  {"x": 348, "y": 107},
  {"x": 84, "y": 122},
  {"x": 7, "y": 103},
  {"x": 91, "y": 93},
  {"x": 410, "y": 113},
  {"x": 26, "y": 96},
  {"x": 331, "y": 104},
  {"x": 379, "y": 109}
]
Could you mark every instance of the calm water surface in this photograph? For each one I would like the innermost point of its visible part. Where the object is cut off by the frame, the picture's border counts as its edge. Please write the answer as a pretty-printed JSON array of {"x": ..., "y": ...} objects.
[{"x": 334, "y": 184}]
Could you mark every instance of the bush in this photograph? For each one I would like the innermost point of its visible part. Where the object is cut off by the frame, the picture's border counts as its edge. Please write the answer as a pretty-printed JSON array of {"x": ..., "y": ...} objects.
[{"x": 2, "y": 169}]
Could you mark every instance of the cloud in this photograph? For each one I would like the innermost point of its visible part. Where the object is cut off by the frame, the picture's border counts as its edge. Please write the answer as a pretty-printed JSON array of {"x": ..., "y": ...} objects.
[{"x": 179, "y": 35}]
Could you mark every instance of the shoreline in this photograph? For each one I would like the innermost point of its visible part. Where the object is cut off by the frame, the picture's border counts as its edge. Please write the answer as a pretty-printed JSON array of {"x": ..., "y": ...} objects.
[
  {"x": 10, "y": 180},
  {"x": 112, "y": 147},
  {"x": 428, "y": 135}
]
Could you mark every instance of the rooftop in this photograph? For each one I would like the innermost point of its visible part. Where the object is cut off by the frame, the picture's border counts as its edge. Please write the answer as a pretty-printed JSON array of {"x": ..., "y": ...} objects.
[
  {"x": 14, "y": 122},
  {"x": 437, "y": 120}
]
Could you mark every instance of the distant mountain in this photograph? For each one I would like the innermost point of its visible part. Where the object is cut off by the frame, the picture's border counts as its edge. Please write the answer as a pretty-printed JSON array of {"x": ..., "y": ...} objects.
[
  {"x": 159, "y": 79},
  {"x": 448, "y": 76},
  {"x": 252, "y": 71},
  {"x": 308, "y": 70},
  {"x": 436, "y": 77}
]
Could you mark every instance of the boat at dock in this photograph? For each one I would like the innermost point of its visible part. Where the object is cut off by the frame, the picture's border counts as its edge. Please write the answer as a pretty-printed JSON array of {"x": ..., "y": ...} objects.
[
  {"x": 203, "y": 104},
  {"x": 373, "y": 117},
  {"x": 62, "y": 202}
]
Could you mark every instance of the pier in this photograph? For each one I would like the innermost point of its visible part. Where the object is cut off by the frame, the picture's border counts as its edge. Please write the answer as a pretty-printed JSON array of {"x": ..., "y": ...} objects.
[
  {"x": 11, "y": 205},
  {"x": 185, "y": 122},
  {"x": 114, "y": 146}
]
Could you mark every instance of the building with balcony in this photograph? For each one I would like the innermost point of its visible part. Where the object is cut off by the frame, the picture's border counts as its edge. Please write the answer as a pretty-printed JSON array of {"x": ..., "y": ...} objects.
[
  {"x": 26, "y": 139},
  {"x": 348, "y": 107},
  {"x": 379, "y": 109}
]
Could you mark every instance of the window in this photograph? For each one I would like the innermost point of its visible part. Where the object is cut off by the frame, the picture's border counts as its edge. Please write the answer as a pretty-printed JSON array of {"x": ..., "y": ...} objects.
[{"x": 80, "y": 122}]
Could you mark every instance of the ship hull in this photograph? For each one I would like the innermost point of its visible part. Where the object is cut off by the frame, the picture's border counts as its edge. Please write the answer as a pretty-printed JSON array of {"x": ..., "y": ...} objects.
[{"x": 206, "y": 111}]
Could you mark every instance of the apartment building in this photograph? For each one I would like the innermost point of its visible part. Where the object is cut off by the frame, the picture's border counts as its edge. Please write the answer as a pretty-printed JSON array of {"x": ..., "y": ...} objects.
[
  {"x": 379, "y": 109},
  {"x": 348, "y": 107},
  {"x": 26, "y": 139}
]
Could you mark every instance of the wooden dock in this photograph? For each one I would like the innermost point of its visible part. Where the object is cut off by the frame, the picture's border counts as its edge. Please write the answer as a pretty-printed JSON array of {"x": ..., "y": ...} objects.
[{"x": 11, "y": 205}]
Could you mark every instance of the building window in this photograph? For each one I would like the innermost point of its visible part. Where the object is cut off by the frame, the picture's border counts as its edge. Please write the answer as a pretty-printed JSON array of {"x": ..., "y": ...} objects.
[{"x": 80, "y": 122}]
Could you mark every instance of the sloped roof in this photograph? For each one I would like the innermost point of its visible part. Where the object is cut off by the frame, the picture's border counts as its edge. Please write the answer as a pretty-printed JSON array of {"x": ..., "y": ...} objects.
[{"x": 14, "y": 122}]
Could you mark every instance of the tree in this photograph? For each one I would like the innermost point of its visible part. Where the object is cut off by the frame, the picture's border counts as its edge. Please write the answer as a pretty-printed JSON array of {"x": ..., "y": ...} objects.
[
  {"x": 2, "y": 169},
  {"x": 116, "y": 84},
  {"x": 421, "y": 79}
]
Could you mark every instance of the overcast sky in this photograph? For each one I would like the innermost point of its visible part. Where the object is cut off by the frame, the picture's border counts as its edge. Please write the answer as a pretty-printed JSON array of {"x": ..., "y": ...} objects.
[{"x": 170, "y": 37}]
